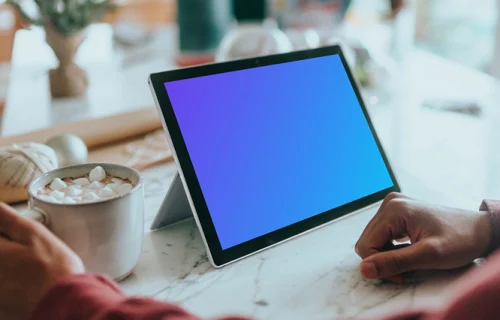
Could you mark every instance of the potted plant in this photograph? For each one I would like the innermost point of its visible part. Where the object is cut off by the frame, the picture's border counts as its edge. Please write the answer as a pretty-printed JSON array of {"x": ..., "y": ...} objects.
[{"x": 64, "y": 22}]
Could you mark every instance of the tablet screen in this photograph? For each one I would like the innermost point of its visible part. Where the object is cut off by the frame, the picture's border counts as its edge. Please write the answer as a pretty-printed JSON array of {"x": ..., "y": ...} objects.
[{"x": 274, "y": 145}]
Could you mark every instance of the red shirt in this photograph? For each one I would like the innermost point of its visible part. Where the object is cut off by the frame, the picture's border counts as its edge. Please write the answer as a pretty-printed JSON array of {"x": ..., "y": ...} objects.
[{"x": 93, "y": 297}]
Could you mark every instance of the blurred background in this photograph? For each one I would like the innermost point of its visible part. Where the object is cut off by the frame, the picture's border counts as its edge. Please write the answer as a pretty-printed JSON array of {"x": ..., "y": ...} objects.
[
  {"x": 427, "y": 69},
  {"x": 463, "y": 31},
  {"x": 113, "y": 45}
]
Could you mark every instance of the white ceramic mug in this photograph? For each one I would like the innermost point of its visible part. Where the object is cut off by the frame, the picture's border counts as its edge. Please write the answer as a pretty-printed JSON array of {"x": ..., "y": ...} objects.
[{"x": 107, "y": 235}]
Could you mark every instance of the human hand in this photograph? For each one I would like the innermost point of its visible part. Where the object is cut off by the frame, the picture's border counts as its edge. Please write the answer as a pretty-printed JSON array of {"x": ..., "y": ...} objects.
[
  {"x": 441, "y": 238},
  {"x": 32, "y": 260}
]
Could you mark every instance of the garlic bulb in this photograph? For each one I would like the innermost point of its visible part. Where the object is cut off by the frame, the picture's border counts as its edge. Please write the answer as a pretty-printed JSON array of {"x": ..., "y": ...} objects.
[{"x": 70, "y": 149}]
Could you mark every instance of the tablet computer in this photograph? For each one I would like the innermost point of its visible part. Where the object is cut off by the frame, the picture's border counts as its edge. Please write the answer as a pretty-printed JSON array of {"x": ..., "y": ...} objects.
[{"x": 269, "y": 148}]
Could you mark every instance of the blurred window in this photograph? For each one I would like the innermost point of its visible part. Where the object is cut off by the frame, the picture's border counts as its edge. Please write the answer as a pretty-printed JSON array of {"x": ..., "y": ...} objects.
[{"x": 460, "y": 30}]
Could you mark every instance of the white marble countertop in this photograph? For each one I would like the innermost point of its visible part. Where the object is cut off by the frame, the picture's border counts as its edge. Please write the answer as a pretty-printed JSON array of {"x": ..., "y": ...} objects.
[
  {"x": 314, "y": 276},
  {"x": 442, "y": 157}
]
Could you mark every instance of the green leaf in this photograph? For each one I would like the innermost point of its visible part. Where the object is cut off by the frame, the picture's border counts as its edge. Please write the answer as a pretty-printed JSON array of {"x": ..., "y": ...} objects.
[
  {"x": 23, "y": 13},
  {"x": 67, "y": 16}
]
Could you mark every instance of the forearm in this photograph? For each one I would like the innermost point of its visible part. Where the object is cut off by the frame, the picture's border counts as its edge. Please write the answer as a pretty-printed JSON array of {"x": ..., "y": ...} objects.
[{"x": 93, "y": 297}]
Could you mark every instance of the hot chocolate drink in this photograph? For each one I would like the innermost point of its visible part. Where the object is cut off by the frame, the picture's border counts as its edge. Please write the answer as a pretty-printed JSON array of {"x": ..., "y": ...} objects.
[{"x": 95, "y": 186}]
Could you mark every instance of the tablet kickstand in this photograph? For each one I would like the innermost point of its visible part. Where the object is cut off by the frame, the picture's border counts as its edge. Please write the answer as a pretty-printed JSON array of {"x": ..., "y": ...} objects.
[{"x": 174, "y": 208}]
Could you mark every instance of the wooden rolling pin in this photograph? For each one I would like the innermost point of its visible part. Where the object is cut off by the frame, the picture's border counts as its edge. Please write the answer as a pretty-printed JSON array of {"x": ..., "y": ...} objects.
[{"x": 96, "y": 132}]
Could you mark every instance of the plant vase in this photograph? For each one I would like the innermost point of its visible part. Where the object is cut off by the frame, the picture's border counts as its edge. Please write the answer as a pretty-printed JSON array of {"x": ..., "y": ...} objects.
[{"x": 68, "y": 79}]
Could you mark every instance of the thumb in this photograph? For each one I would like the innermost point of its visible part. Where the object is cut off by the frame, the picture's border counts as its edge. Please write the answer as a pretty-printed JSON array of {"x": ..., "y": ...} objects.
[
  {"x": 13, "y": 225},
  {"x": 391, "y": 263}
]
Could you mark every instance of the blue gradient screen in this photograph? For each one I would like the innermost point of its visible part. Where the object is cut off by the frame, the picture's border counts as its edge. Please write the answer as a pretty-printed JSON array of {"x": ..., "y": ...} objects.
[{"x": 274, "y": 145}]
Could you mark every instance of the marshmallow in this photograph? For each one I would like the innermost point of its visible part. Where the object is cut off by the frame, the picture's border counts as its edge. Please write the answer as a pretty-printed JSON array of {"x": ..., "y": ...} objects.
[
  {"x": 73, "y": 191},
  {"x": 106, "y": 192},
  {"x": 116, "y": 180},
  {"x": 113, "y": 186},
  {"x": 125, "y": 188},
  {"x": 82, "y": 181},
  {"x": 90, "y": 196},
  {"x": 58, "y": 195},
  {"x": 95, "y": 185},
  {"x": 48, "y": 198},
  {"x": 57, "y": 184},
  {"x": 97, "y": 174},
  {"x": 68, "y": 200}
]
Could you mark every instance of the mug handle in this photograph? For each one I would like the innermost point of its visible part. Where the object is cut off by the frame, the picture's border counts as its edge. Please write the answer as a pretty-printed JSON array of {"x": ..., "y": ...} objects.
[{"x": 37, "y": 214}]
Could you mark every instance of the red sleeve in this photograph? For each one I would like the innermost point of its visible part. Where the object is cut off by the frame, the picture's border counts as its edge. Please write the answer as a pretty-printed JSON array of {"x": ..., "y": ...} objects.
[{"x": 94, "y": 297}]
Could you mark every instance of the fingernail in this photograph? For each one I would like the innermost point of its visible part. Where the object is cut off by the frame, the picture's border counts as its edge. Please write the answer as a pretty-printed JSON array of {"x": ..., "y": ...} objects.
[{"x": 369, "y": 270}]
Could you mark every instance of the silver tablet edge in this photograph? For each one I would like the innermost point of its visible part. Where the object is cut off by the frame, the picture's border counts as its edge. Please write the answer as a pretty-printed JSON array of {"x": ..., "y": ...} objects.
[{"x": 181, "y": 174}]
